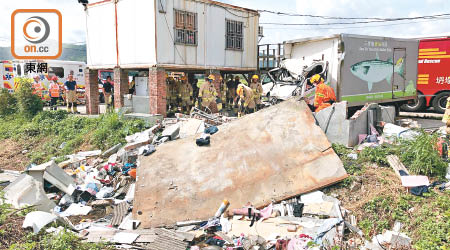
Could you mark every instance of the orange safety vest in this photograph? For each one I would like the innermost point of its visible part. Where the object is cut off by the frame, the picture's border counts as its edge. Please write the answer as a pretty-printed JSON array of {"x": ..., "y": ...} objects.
[
  {"x": 37, "y": 89},
  {"x": 54, "y": 90},
  {"x": 324, "y": 94}
]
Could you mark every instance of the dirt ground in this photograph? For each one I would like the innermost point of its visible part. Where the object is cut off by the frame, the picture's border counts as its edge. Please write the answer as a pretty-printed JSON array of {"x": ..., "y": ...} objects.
[
  {"x": 374, "y": 182},
  {"x": 11, "y": 156}
]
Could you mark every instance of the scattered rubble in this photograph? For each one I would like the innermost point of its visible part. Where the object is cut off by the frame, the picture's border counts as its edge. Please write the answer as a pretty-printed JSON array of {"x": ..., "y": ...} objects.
[{"x": 161, "y": 191}]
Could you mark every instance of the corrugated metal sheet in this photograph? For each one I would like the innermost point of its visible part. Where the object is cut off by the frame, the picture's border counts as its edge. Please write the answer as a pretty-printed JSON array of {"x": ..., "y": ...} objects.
[
  {"x": 271, "y": 155},
  {"x": 120, "y": 210}
]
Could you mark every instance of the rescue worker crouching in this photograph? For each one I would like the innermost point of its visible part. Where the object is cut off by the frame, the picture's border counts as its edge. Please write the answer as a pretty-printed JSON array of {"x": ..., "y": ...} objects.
[
  {"x": 186, "y": 92},
  {"x": 207, "y": 93},
  {"x": 246, "y": 99},
  {"x": 256, "y": 86},
  {"x": 324, "y": 96},
  {"x": 54, "y": 90}
]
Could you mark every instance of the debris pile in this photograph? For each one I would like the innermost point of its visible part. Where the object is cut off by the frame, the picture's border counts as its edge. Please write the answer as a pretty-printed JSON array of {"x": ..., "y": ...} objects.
[
  {"x": 92, "y": 192},
  {"x": 207, "y": 182}
]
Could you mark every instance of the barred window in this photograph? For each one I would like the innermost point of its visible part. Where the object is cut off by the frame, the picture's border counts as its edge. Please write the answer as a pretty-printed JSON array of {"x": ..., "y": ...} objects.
[
  {"x": 185, "y": 27},
  {"x": 234, "y": 35}
]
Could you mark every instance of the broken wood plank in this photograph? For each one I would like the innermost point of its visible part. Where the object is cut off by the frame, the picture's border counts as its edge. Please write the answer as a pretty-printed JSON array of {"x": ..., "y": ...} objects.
[{"x": 396, "y": 164}]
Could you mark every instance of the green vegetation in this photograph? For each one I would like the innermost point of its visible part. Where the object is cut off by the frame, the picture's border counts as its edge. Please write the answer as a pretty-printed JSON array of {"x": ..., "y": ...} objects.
[
  {"x": 7, "y": 103},
  {"x": 425, "y": 219},
  {"x": 20, "y": 239},
  {"x": 427, "y": 223},
  {"x": 28, "y": 104},
  {"x": 51, "y": 134},
  {"x": 65, "y": 239},
  {"x": 56, "y": 133},
  {"x": 420, "y": 155}
]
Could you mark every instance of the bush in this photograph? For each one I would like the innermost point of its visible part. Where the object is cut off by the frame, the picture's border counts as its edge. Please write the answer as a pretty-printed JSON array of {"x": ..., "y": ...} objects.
[
  {"x": 421, "y": 156},
  {"x": 7, "y": 103},
  {"x": 28, "y": 103},
  {"x": 112, "y": 129}
]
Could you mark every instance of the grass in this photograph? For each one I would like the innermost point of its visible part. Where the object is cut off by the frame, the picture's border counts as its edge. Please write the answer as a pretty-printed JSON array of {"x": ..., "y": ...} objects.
[
  {"x": 425, "y": 219},
  {"x": 54, "y": 134}
]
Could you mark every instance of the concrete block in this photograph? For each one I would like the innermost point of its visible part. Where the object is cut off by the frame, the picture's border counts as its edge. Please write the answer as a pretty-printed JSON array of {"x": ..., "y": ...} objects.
[
  {"x": 172, "y": 131},
  {"x": 191, "y": 127},
  {"x": 151, "y": 119},
  {"x": 112, "y": 150}
]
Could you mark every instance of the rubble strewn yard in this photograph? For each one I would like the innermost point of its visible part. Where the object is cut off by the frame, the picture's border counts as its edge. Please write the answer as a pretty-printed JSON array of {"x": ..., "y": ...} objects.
[{"x": 89, "y": 199}]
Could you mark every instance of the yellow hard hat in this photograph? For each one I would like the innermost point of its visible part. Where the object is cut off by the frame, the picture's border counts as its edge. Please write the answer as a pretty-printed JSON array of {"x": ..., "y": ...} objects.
[
  {"x": 167, "y": 75},
  {"x": 240, "y": 90},
  {"x": 315, "y": 78},
  {"x": 211, "y": 77},
  {"x": 255, "y": 77}
]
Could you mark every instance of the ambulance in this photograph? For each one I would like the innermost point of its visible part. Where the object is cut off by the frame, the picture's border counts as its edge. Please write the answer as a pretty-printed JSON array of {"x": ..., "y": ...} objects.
[{"x": 10, "y": 71}]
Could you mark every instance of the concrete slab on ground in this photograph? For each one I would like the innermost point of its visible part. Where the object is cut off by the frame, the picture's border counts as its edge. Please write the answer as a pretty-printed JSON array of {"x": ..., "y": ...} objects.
[{"x": 271, "y": 155}]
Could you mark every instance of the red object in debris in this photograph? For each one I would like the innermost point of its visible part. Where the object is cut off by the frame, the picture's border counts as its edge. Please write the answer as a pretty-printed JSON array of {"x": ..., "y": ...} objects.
[
  {"x": 433, "y": 77},
  {"x": 132, "y": 173}
]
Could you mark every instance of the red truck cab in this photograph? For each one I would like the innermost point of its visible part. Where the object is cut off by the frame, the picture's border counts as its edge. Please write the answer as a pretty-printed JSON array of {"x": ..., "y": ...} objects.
[{"x": 433, "y": 75}]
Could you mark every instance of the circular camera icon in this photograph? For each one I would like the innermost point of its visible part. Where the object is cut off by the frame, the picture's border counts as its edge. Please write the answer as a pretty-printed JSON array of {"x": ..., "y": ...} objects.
[{"x": 36, "y": 29}]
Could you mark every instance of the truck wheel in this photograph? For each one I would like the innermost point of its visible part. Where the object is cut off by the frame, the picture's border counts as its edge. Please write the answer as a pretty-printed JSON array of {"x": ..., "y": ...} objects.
[
  {"x": 440, "y": 101},
  {"x": 416, "y": 106}
]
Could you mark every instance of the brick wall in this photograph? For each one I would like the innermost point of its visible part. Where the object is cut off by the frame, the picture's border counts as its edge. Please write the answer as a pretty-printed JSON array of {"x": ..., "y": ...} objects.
[
  {"x": 92, "y": 94},
  {"x": 157, "y": 90},
  {"x": 120, "y": 86}
]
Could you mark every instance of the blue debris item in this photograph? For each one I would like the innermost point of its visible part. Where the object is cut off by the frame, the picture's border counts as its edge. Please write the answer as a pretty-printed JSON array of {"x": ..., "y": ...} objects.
[
  {"x": 211, "y": 130},
  {"x": 202, "y": 141},
  {"x": 127, "y": 167}
]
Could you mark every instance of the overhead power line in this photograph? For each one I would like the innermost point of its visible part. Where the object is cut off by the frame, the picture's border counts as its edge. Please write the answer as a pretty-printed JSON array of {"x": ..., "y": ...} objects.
[
  {"x": 362, "y": 22},
  {"x": 348, "y": 18}
]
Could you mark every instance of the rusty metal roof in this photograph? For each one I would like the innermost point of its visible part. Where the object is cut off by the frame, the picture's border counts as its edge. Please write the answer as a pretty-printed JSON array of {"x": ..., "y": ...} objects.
[{"x": 271, "y": 155}]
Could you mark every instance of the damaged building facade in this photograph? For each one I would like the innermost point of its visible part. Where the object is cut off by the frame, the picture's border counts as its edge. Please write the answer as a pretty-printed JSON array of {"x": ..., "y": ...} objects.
[{"x": 152, "y": 38}]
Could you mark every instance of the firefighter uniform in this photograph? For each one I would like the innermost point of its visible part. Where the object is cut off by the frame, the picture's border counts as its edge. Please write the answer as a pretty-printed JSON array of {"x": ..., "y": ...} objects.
[
  {"x": 256, "y": 86},
  {"x": 324, "y": 96},
  {"x": 185, "y": 92},
  {"x": 223, "y": 93},
  {"x": 171, "y": 93},
  {"x": 207, "y": 92},
  {"x": 247, "y": 100}
]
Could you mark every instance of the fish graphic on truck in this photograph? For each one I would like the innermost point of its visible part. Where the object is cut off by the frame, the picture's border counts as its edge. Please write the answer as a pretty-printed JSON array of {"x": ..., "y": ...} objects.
[{"x": 376, "y": 70}]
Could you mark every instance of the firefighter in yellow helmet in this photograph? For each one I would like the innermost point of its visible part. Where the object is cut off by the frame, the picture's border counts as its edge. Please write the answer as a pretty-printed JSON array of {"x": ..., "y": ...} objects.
[
  {"x": 222, "y": 103},
  {"x": 185, "y": 91},
  {"x": 324, "y": 96},
  {"x": 256, "y": 86},
  {"x": 246, "y": 99},
  {"x": 171, "y": 91},
  {"x": 207, "y": 93}
]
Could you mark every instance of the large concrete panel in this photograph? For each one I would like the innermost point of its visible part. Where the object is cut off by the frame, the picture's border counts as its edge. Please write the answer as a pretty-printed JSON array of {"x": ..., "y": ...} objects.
[{"x": 271, "y": 155}]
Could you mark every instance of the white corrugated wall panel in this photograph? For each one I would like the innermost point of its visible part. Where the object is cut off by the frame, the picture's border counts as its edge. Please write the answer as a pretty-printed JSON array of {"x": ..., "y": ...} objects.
[
  {"x": 100, "y": 35},
  {"x": 136, "y": 32}
]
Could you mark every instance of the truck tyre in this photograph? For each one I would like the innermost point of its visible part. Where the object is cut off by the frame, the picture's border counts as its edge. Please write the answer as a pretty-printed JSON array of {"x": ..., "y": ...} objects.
[
  {"x": 440, "y": 101},
  {"x": 416, "y": 106}
]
